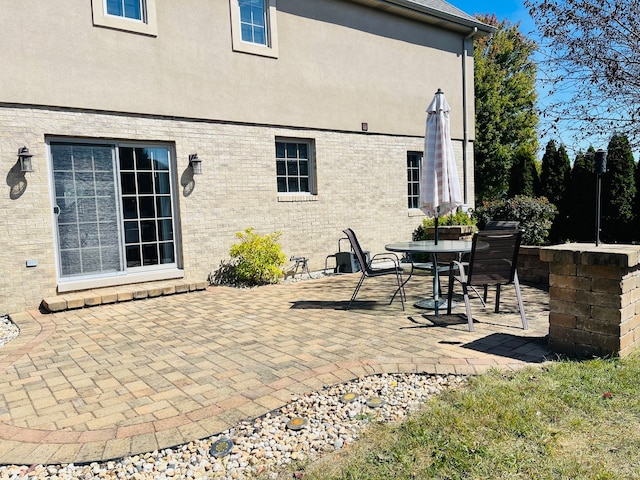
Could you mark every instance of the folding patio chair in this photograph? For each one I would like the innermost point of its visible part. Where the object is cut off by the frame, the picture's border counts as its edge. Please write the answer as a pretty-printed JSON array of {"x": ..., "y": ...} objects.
[
  {"x": 493, "y": 261},
  {"x": 380, "y": 264}
]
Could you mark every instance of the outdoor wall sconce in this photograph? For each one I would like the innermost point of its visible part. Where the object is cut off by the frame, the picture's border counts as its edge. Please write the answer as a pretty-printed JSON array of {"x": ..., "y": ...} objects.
[
  {"x": 195, "y": 163},
  {"x": 25, "y": 160}
]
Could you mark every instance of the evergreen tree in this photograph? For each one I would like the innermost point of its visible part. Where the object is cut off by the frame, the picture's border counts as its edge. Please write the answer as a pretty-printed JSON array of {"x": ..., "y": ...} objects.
[
  {"x": 618, "y": 192},
  {"x": 554, "y": 181},
  {"x": 523, "y": 179},
  {"x": 556, "y": 169},
  {"x": 550, "y": 152},
  {"x": 505, "y": 95},
  {"x": 581, "y": 198},
  {"x": 563, "y": 165}
]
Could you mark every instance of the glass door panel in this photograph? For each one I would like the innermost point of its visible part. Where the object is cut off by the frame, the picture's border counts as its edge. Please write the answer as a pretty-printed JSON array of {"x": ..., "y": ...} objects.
[
  {"x": 147, "y": 206},
  {"x": 86, "y": 202}
]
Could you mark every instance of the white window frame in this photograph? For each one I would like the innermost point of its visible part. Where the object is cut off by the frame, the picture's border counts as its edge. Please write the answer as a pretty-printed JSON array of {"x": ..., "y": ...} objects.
[
  {"x": 238, "y": 45},
  {"x": 147, "y": 26},
  {"x": 128, "y": 275},
  {"x": 411, "y": 183},
  {"x": 313, "y": 190}
]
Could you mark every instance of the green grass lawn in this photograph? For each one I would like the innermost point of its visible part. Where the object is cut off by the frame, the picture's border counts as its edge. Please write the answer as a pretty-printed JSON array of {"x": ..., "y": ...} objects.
[{"x": 566, "y": 420}]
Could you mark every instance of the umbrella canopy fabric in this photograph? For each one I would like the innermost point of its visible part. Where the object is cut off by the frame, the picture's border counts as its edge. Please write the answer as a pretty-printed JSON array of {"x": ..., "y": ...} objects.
[{"x": 439, "y": 185}]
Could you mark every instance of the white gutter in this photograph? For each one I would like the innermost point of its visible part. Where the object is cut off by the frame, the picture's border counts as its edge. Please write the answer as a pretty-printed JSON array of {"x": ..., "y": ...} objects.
[
  {"x": 469, "y": 21},
  {"x": 465, "y": 116},
  {"x": 419, "y": 11}
]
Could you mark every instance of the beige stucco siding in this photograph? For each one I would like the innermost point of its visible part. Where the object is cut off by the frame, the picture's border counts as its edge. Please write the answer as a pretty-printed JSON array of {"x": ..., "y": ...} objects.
[{"x": 340, "y": 64}]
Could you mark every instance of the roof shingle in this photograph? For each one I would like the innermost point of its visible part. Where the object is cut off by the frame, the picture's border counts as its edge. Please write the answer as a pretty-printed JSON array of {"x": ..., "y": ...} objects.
[{"x": 443, "y": 7}]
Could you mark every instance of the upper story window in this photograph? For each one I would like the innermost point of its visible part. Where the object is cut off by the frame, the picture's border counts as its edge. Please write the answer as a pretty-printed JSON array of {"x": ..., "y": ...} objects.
[
  {"x": 413, "y": 179},
  {"x": 254, "y": 27},
  {"x": 253, "y": 21},
  {"x": 294, "y": 166},
  {"x": 138, "y": 16},
  {"x": 126, "y": 8}
]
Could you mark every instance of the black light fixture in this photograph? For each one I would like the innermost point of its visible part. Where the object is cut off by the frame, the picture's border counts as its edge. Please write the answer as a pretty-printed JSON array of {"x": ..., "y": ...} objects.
[
  {"x": 25, "y": 160},
  {"x": 195, "y": 163},
  {"x": 600, "y": 161}
]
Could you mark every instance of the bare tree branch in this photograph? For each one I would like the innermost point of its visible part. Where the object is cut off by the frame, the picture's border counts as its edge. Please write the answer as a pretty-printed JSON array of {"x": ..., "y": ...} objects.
[{"x": 590, "y": 66}]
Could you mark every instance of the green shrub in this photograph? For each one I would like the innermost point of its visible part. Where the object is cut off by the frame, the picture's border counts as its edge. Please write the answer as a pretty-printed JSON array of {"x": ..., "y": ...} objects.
[
  {"x": 535, "y": 215},
  {"x": 458, "y": 218},
  {"x": 255, "y": 260}
]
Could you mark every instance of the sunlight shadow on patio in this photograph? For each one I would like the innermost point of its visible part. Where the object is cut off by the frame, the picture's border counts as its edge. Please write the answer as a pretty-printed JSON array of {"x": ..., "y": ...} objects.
[
  {"x": 431, "y": 321},
  {"x": 529, "y": 349},
  {"x": 333, "y": 305}
]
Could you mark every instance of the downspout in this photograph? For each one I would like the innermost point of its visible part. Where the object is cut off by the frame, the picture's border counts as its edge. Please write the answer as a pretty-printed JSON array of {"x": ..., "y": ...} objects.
[{"x": 465, "y": 115}]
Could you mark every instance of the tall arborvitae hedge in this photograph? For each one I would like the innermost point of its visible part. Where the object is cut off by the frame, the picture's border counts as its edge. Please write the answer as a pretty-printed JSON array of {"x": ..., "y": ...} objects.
[
  {"x": 618, "y": 192},
  {"x": 524, "y": 179},
  {"x": 554, "y": 181},
  {"x": 581, "y": 199}
]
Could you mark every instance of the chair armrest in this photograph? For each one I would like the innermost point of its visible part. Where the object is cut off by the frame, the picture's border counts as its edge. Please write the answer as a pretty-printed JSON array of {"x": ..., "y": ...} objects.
[
  {"x": 460, "y": 266},
  {"x": 386, "y": 256}
]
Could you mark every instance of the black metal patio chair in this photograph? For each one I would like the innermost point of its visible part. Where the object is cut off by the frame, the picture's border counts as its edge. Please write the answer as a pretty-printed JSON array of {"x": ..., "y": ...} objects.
[
  {"x": 380, "y": 264},
  {"x": 493, "y": 261},
  {"x": 492, "y": 225},
  {"x": 502, "y": 225}
]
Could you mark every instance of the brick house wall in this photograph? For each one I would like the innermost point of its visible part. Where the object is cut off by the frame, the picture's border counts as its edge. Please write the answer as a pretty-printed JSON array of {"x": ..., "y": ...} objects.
[{"x": 361, "y": 182}]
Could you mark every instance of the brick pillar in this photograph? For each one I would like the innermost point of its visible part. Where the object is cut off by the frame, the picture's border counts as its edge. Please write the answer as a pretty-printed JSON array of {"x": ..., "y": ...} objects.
[{"x": 594, "y": 299}]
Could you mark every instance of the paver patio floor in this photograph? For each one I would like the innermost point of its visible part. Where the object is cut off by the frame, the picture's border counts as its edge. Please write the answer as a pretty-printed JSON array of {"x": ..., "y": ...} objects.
[{"x": 104, "y": 382}]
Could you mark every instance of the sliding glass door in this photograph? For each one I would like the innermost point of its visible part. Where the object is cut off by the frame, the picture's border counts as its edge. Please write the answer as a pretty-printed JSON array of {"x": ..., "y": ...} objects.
[{"x": 114, "y": 207}]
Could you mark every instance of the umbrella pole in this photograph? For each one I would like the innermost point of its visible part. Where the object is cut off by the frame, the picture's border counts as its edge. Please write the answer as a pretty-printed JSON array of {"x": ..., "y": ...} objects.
[{"x": 436, "y": 280}]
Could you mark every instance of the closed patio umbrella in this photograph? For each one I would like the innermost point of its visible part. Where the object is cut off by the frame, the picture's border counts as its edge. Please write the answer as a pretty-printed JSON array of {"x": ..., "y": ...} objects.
[{"x": 439, "y": 186}]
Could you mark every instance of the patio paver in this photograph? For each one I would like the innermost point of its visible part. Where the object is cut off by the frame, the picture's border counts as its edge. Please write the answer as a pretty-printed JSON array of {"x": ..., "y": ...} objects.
[{"x": 102, "y": 382}]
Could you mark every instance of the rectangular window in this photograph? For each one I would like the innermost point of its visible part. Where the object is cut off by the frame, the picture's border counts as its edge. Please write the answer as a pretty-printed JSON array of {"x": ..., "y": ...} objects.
[
  {"x": 114, "y": 208},
  {"x": 126, "y": 8},
  {"x": 413, "y": 179},
  {"x": 253, "y": 21},
  {"x": 294, "y": 166},
  {"x": 254, "y": 27},
  {"x": 138, "y": 16}
]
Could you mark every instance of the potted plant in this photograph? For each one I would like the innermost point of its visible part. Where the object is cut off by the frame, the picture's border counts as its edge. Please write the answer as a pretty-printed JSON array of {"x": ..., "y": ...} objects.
[{"x": 454, "y": 226}]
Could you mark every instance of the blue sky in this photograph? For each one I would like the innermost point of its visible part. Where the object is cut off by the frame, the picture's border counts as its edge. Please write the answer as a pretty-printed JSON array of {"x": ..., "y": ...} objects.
[
  {"x": 505, "y": 9},
  {"x": 515, "y": 12}
]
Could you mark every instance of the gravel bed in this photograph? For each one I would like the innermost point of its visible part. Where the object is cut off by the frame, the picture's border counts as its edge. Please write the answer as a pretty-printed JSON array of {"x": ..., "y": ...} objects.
[
  {"x": 265, "y": 447},
  {"x": 8, "y": 330}
]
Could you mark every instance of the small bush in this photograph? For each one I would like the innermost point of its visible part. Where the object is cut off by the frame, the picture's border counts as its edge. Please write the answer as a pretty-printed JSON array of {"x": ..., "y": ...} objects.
[
  {"x": 535, "y": 215},
  {"x": 458, "y": 218},
  {"x": 255, "y": 260}
]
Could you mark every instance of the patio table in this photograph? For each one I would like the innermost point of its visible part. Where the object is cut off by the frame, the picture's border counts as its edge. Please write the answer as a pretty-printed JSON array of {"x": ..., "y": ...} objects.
[{"x": 434, "y": 249}]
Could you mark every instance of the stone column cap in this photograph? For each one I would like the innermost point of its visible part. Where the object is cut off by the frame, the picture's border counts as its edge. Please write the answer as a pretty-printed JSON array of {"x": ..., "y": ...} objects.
[{"x": 618, "y": 255}]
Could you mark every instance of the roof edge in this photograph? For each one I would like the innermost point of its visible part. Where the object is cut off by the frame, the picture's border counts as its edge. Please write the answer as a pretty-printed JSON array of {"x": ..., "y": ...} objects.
[{"x": 415, "y": 10}]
